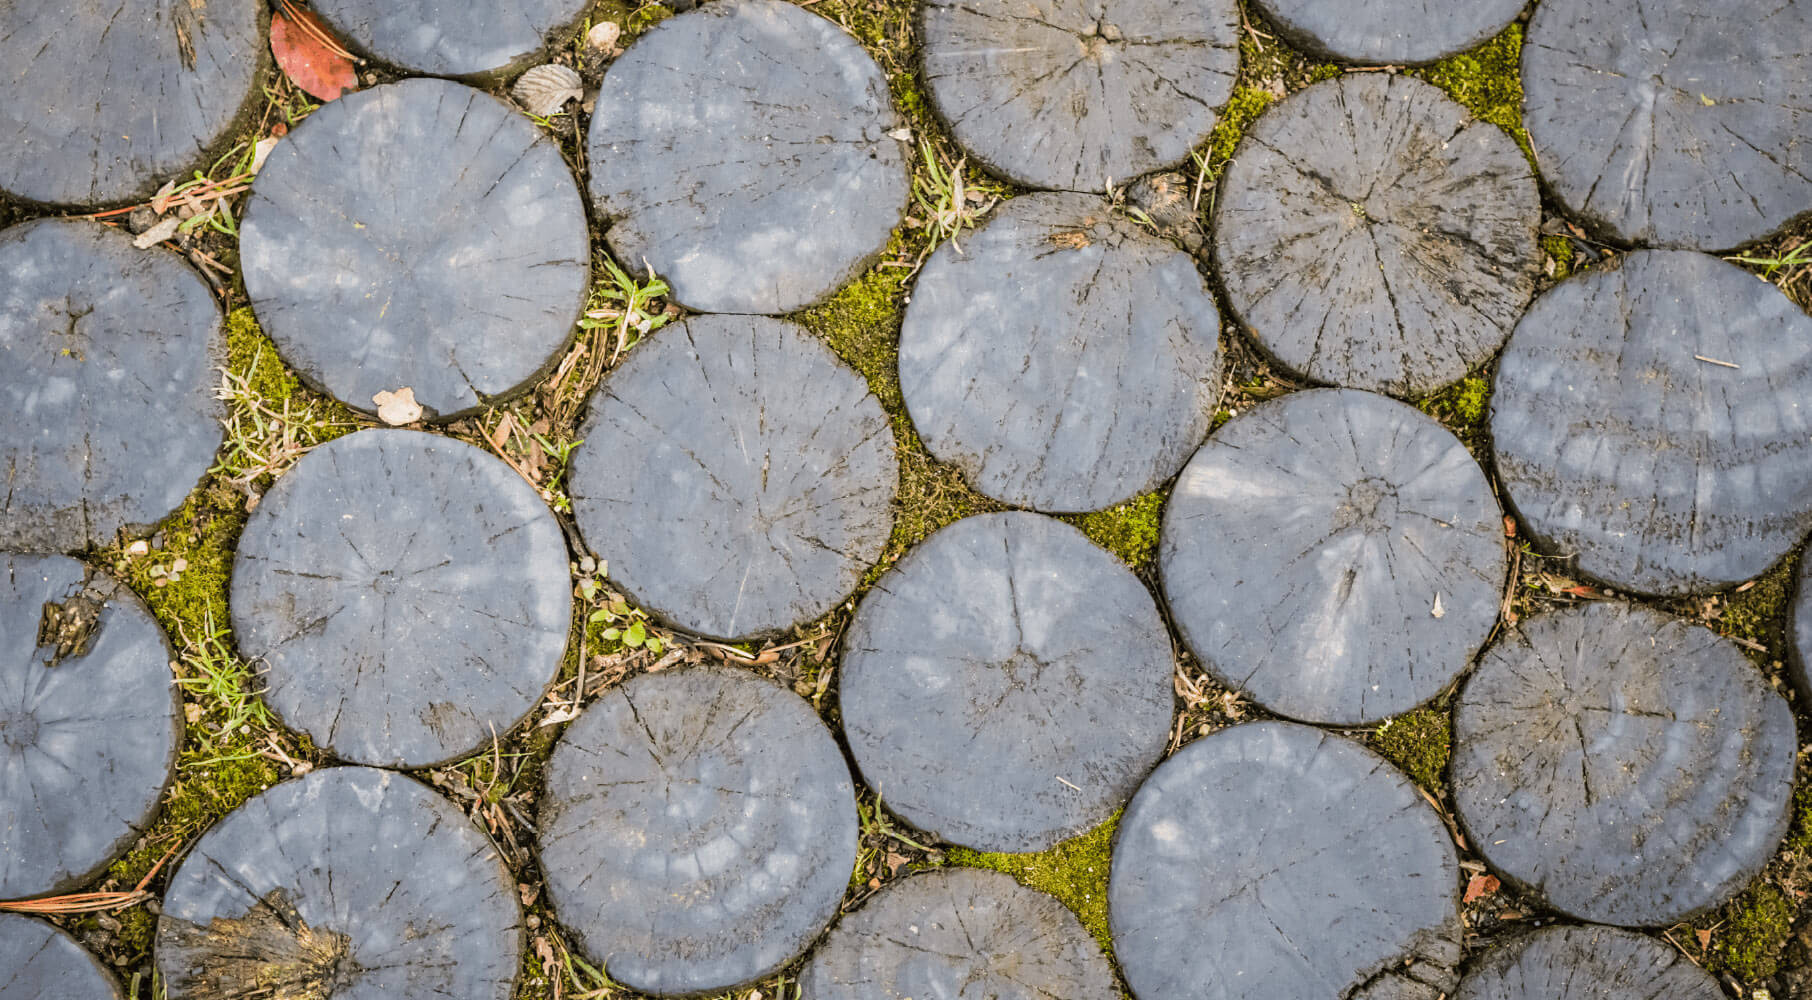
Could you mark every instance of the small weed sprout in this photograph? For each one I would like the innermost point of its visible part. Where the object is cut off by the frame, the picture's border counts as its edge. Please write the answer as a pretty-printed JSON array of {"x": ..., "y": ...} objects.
[
  {"x": 264, "y": 437},
  {"x": 626, "y": 304},
  {"x": 625, "y": 625},
  {"x": 946, "y": 207},
  {"x": 1795, "y": 257},
  {"x": 225, "y": 686}
]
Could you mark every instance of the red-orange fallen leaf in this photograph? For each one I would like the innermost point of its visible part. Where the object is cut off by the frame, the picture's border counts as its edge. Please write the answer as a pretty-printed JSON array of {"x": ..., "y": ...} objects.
[
  {"x": 1481, "y": 886},
  {"x": 309, "y": 63},
  {"x": 1509, "y": 526},
  {"x": 1704, "y": 936}
]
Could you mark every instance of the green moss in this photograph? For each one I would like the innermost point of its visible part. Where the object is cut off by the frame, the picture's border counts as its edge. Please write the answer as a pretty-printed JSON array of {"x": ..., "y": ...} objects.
[
  {"x": 1419, "y": 743},
  {"x": 200, "y": 538},
  {"x": 1758, "y": 615},
  {"x": 1129, "y": 531},
  {"x": 1799, "y": 837},
  {"x": 251, "y": 354},
  {"x": 1074, "y": 871},
  {"x": 1462, "y": 405},
  {"x": 1242, "y": 110},
  {"x": 1756, "y": 927},
  {"x": 1488, "y": 81},
  {"x": 1560, "y": 250},
  {"x": 1324, "y": 71}
]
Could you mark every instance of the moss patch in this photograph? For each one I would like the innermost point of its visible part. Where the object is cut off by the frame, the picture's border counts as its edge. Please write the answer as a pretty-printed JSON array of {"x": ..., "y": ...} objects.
[
  {"x": 1074, "y": 871},
  {"x": 251, "y": 354},
  {"x": 1419, "y": 743},
  {"x": 1756, "y": 927},
  {"x": 1759, "y": 614},
  {"x": 1560, "y": 250},
  {"x": 1488, "y": 81},
  {"x": 1129, "y": 531},
  {"x": 1463, "y": 405},
  {"x": 1242, "y": 110}
]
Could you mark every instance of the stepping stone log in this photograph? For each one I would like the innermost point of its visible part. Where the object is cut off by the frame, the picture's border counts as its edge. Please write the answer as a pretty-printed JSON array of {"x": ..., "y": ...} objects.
[
  {"x": 1683, "y": 127},
  {"x": 979, "y": 695},
  {"x": 1274, "y": 860},
  {"x": 759, "y": 179},
  {"x": 1629, "y": 768},
  {"x": 1371, "y": 234},
  {"x": 107, "y": 380},
  {"x": 1586, "y": 963},
  {"x": 697, "y": 831},
  {"x": 1064, "y": 360},
  {"x": 349, "y": 882},
  {"x": 923, "y": 935},
  {"x": 40, "y": 962},
  {"x": 419, "y": 234},
  {"x": 89, "y": 723},
  {"x": 1078, "y": 97},
  {"x": 106, "y": 101},
  {"x": 1388, "y": 31},
  {"x": 480, "y": 40},
  {"x": 1649, "y": 422},
  {"x": 1336, "y": 555},
  {"x": 407, "y": 596},
  {"x": 766, "y": 504}
]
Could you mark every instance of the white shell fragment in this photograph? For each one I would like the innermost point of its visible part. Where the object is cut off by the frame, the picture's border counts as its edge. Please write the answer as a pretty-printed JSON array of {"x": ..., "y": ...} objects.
[
  {"x": 544, "y": 90},
  {"x": 603, "y": 36}
]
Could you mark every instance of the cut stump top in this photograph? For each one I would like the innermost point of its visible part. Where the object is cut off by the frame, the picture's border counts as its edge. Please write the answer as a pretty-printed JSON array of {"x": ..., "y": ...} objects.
[
  {"x": 1586, "y": 963},
  {"x": 1389, "y": 31},
  {"x": 40, "y": 962},
  {"x": 451, "y": 39}
]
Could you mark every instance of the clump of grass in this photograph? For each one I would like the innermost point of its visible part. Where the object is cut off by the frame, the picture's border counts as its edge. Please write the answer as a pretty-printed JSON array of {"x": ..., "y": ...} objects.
[{"x": 271, "y": 421}]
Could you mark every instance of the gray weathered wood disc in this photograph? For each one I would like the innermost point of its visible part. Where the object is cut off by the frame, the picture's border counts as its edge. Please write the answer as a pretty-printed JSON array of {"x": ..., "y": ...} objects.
[
  {"x": 1629, "y": 768},
  {"x": 742, "y": 151},
  {"x": 1371, "y": 234},
  {"x": 1074, "y": 96},
  {"x": 419, "y": 234},
  {"x": 1008, "y": 685},
  {"x": 1389, "y": 31},
  {"x": 1673, "y": 123},
  {"x": 1274, "y": 860},
  {"x": 1307, "y": 544},
  {"x": 406, "y": 596},
  {"x": 103, "y": 102},
  {"x": 107, "y": 381},
  {"x": 962, "y": 932},
  {"x": 480, "y": 40},
  {"x": 89, "y": 723},
  {"x": 1065, "y": 360},
  {"x": 350, "y": 882},
  {"x": 1652, "y": 422},
  {"x": 1586, "y": 963},
  {"x": 698, "y": 829},
  {"x": 40, "y": 962},
  {"x": 721, "y": 495},
  {"x": 1800, "y": 656}
]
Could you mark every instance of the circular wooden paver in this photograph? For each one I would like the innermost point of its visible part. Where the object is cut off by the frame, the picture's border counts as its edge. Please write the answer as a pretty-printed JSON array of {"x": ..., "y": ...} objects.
[
  {"x": 698, "y": 829},
  {"x": 1371, "y": 234},
  {"x": 451, "y": 39},
  {"x": 1334, "y": 554},
  {"x": 962, "y": 932},
  {"x": 1272, "y": 860},
  {"x": 1652, "y": 422},
  {"x": 1674, "y": 123},
  {"x": 1389, "y": 31},
  {"x": 406, "y": 596},
  {"x": 1075, "y": 97},
  {"x": 722, "y": 496},
  {"x": 1586, "y": 963},
  {"x": 1008, "y": 685},
  {"x": 103, "y": 102},
  {"x": 89, "y": 723},
  {"x": 349, "y": 882},
  {"x": 1629, "y": 768},
  {"x": 742, "y": 151},
  {"x": 40, "y": 962},
  {"x": 107, "y": 381},
  {"x": 420, "y": 234},
  {"x": 1065, "y": 360}
]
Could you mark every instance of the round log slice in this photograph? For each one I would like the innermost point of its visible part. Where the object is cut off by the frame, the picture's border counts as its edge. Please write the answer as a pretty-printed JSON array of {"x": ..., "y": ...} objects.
[
  {"x": 102, "y": 102},
  {"x": 351, "y": 882},
  {"x": 723, "y": 497},
  {"x": 980, "y": 697},
  {"x": 406, "y": 595},
  {"x": 1800, "y": 656},
  {"x": 1649, "y": 422},
  {"x": 1372, "y": 234},
  {"x": 1065, "y": 359},
  {"x": 963, "y": 932},
  {"x": 1673, "y": 124},
  {"x": 698, "y": 830},
  {"x": 89, "y": 723},
  {"x": 451, "y": 39},
  {"x": 1334, "y": 554},
  {"x": 1078, "y": 97},
  {"x": 40, "y": 962},
  {"x": 759, "y": 179},
  {"x": 419, "y": 234},
  {"x": 1271, "y": 860},
  {"x": 107, "y": 381},
  {"x": 1586, "y": 963},
  {"x": 1629, "y": 768},
  {"x": 1389, "y": 31}
]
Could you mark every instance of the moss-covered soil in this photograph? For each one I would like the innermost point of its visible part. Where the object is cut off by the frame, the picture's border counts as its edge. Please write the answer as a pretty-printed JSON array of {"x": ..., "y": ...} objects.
[{"x": 234, "y": 749}]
